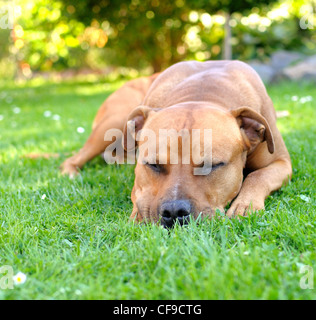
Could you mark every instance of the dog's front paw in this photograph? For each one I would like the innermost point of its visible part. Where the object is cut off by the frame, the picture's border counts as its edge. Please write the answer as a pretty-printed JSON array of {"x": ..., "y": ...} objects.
[
  {"x": 68, "y": 169},
  {"x": 243, "y": 208}
]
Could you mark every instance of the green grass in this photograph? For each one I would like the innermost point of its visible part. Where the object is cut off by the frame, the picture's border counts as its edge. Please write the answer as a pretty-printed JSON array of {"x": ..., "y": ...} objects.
[{"x": 78, "y": 243}]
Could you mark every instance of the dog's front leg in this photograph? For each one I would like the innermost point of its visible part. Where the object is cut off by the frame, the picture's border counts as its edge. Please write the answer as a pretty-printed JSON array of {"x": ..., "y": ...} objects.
[{"x": 258, "y": 185}]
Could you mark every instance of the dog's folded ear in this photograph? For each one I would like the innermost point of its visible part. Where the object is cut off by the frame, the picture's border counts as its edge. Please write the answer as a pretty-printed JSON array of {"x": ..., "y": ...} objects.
[
  {"x": 135, "y": 122},
  {"x": 254, "y": 128}
]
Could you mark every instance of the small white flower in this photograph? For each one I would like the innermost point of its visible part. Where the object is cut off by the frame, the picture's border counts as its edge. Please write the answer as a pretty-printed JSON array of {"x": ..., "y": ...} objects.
[
  {"x": 246, "y": 253},
  {"x": 306, "y": 99},
  {"x": 56, "y": 117},
  {"x": 47, "y": 114},
  {"x": 16, "y": 110},
  {"x": 305, "y": 198},
  {"x": 43, "y": 196},
  {"x": 19, "y": 278},
  {"x": 294, "y": 98},
  {"x": 80, "y": 130},
  {"x": 78, "y": 292},
  {"x": 1, "y": 117}
]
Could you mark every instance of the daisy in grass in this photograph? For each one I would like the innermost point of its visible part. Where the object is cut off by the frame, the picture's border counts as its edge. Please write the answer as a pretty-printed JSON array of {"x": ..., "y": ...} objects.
[{"x": 19, "y": 278}]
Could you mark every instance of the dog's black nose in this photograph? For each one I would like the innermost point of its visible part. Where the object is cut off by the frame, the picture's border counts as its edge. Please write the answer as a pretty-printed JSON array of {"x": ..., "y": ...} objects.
[{"x": 175, "y": 210}]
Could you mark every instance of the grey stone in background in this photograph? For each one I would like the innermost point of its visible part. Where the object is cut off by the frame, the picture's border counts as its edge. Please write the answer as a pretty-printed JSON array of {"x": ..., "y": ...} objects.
[
  {"x": 282, "y": 59},
  {"x": 266, "y": 72},
  {"x": 286, "y": 65},
  {"x": 305, "y": 70}
]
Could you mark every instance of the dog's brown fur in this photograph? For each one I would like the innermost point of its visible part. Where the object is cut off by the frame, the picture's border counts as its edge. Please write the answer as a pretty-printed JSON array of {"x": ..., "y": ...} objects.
[{"x": 225, "y": 96}]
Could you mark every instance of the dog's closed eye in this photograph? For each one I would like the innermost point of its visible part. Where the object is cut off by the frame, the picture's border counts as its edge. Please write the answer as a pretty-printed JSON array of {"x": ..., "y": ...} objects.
[
  {"x": 155, "y": 167},
  {"x": 217, "y": 165},
  {"x": 161, "y": 169},
  {"x": 214, "y": 165}
]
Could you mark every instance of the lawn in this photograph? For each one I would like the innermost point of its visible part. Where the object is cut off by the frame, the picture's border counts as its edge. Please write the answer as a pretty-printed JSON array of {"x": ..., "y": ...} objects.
[{"x": 77, "y": 242}]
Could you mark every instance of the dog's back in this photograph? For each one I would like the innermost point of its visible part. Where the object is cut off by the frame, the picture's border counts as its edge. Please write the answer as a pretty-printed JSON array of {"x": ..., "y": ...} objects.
[{"x": 230, "y": 84}]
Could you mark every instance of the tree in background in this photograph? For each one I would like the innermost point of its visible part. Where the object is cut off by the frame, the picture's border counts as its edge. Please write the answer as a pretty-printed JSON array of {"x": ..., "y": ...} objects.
[
  {"x": 156, "y": 29},
  {"x": 139, "y": 31},
  {"x": 162, "y": 32},
  {"x": 227, "y": 8},
  {"x": 102, "y": 34}
]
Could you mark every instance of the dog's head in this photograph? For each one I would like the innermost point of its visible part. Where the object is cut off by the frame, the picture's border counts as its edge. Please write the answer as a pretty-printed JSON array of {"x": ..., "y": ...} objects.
[{"x": 191, "y": 158}]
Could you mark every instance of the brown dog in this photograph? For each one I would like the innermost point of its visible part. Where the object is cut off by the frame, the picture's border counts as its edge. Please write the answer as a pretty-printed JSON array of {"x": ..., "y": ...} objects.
[{"x": 227, "y": 97}]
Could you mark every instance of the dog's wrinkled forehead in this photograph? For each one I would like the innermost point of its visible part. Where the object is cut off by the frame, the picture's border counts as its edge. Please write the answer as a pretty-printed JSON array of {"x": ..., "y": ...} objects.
[
  {"x": 187, "y": 115},
  {"x": 195, "y": 116},
  {"x": 196, "y": 123}
]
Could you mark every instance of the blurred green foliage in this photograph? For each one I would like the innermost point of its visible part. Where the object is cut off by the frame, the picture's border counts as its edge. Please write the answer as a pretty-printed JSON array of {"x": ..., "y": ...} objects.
[{"x": 55, "y": 35}]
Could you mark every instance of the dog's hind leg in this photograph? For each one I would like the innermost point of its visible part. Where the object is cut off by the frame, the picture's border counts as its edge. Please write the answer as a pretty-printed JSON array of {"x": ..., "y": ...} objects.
[
  {"x": 112, "y": 115},
  {"x": 94, "y": 146}
]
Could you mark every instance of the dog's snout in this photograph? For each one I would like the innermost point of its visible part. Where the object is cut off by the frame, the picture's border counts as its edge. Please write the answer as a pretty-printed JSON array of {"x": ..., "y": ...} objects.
[{"x": 175, "y": 210}]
